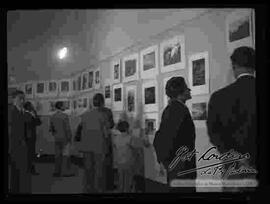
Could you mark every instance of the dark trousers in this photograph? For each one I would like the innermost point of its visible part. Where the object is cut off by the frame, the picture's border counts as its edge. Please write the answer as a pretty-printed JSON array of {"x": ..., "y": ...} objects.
[
  {"x": 59, "y": 146},
  {"x": 108, "y": 166},
  {"x": 94, "y": 180},
  {"x": 20, "y": 178},
  {"x": 31, "y": 147}
]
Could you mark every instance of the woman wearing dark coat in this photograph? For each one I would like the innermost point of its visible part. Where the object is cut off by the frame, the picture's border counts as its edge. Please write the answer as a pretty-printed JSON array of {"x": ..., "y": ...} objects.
[{"x": 177, "y": 132}]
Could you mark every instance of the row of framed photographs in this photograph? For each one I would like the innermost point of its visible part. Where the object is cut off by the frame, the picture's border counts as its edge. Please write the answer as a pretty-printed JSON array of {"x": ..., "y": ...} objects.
[
  {"x": 172, "y": 57},
  {"x": 85, "y": 81}
]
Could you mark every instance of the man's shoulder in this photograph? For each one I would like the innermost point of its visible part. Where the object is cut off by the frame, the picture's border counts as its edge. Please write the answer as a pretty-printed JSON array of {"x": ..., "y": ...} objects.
[{"x": 224, "y": 92}]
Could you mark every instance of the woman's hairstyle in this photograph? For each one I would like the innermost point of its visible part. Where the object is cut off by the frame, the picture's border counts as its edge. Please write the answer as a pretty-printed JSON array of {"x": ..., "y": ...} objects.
[
  {"x": 59, "y": 105},
  {"x": 123, "y": 126},
  {"x": 175, "y": 86},
  {"x": 98, "y": 100},
  {"x": 244, "y": 57}
]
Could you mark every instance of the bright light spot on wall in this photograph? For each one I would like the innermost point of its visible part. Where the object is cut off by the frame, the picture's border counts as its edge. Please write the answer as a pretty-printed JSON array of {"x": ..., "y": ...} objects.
[{"x": 62, "y": 53}]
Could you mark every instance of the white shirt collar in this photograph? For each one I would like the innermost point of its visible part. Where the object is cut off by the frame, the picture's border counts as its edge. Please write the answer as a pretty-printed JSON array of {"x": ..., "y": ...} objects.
[{"x": 245, "y": 74}]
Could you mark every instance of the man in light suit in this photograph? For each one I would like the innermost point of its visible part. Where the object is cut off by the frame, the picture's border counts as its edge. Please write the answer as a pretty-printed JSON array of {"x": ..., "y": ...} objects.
[
  {"x": 20, "y": 179},
  {"x": 60, "y": 128},
  {"x": 94, "y": 131},
  {"x": 231, "y": 118}
]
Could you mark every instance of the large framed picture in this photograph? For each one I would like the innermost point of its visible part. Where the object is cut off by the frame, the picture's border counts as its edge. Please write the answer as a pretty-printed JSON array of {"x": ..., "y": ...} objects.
[
  {"x": 65, "y": 87},
  {"x": 150, "y": 96},
  {"x": 150, "y": 125},
  {"x": 131, "y": 100},
  {"x": 79, "y": 82},
  {"x": 172, "y": 54},
  {"x": 52, "y": 88},
  {"x": 130, "y": 68},
  {"x": 199, "y": 73},
  {"x": 97, "y": 78},
  {"x": 239, "y": 29},
  {"x": 40, "y": 89},
  {"x": 149, "y": 62},
  {"x": 118, "y": 97},
  {"x": 107, "y": 92},
  {"x": 84, "y": 81},
  {"x": 116, "y": 71},
  {"x": 198, "y": 107},
  {"x": 90, "y": 79},
  {"x": 29, "y": 90}
]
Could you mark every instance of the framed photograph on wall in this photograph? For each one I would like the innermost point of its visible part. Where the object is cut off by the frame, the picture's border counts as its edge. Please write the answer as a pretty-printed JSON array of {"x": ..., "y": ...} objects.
[
  {"x": 239, "y": 29},
  {"x": 74, "y": 85},
  {"x": 118, "y": 97},
  {"x": 74, "y": 104},
  {"x": 116, "y": 71},
  {"x": 97, "y": 78},
  {"x": 150, "y": 96},
  {"x": 107, "y": 92},
  {"x": 130, "y": 68},
  {"x": 172, "y": 54},
  {"x": 79, "y": 82},
  {"x": 29, "y": 90},
  {"x": 198, "y": 107},
  {"x": 84, "y": 81},
  {"x": 131, "y": 100},
  {"x": 65, "y": 87},
  {"x": 40, "y": 89},
  {"x": 149, "y": 62},
  {"x": 90, "y": 79},
  {"x": 150, "y": 125},
  {"x": 52, "y": 107},
  {"x": 52, "y": 88},
  {"x": 199, "y": 73}
]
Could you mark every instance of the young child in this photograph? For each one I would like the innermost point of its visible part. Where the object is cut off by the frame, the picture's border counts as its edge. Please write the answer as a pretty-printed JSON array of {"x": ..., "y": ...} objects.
[{"x": 123, "y": 155}]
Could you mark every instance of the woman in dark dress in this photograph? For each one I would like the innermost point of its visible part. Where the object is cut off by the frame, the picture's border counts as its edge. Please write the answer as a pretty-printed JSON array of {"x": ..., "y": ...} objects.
[{"x": 175, "y": 140}]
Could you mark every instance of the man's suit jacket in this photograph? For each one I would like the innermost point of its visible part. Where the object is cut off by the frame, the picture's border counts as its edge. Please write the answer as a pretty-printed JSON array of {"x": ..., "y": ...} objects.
[
  {"x": 94, "y": 130},
  {"x": 60, "y": 127},
  {"x": 176, "y": 130},
  {"x": 18, "y": 133},
  {"x": 232, "y": 120},
  {"x": 31, "y": 124}
]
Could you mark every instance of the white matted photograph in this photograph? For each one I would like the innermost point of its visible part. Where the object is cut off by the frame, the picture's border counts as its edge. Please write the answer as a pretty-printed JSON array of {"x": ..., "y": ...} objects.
[
  {"x": 107, "y": 92},
  {"x": 131, "y": 100},
  {"x": 52, "y": 88},
  {"x": 84, "y": 81},
  {"x": 150, "y": 125},
  {"x": 29, "y": 90},
  {"x": 198, "y": 107},
  {"x": 40, "y": 89},
  {"x": 65, "y": 87},
  {"x": 118, "y": 97},
  {"x": 150, "y": 96},
  {"x": 239, "y": 29},
  {"x": 97, "y": 78},
  {"x": 199, "y": 73},
  {"x": 116, "y": 71},
  {"x": 172, "y": 54},
  {"x": 149, "y": 62},
  {"x": 130, "y": 68}
]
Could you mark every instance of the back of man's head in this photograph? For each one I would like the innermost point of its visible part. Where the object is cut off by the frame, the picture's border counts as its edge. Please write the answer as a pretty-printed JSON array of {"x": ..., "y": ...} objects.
[
  {"x": 59, "y": 105},
  {"x": 244, "y": 57},
  {"x": 98, "y": 100}
]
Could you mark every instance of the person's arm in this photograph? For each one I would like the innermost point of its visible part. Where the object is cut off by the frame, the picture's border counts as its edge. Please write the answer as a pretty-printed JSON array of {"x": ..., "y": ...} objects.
[
  {"x": 214, "y": 124},
  {"x": 111, "y": 122},
  {"x": 37, "y": 119},
  {"x": 172, "y": 118},
  {"x": 78, "y": 134},
  {"x": 68, "y": 129},
  {"x": 52, "y": 128}
]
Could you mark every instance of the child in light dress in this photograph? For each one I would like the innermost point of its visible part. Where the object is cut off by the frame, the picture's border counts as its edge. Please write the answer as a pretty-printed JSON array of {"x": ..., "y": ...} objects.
[{"x": 122, "y": 142}]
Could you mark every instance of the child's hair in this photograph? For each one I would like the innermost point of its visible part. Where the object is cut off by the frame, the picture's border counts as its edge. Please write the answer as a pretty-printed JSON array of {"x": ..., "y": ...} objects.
[{"x": 123, "y": 126}]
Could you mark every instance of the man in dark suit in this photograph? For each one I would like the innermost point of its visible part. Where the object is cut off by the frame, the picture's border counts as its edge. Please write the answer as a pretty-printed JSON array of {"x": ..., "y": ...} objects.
[
  {"x": 231, "y": 118},
  {"x": 60, "y": 128},
  {"x": 20, "y": 180},
  {"x": 176, "y": 132},
  {"x": 32, "y": 122}
]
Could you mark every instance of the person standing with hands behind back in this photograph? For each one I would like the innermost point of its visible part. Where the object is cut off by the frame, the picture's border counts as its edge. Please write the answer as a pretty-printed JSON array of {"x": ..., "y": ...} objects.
[{"x": 60, "y": 128}]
